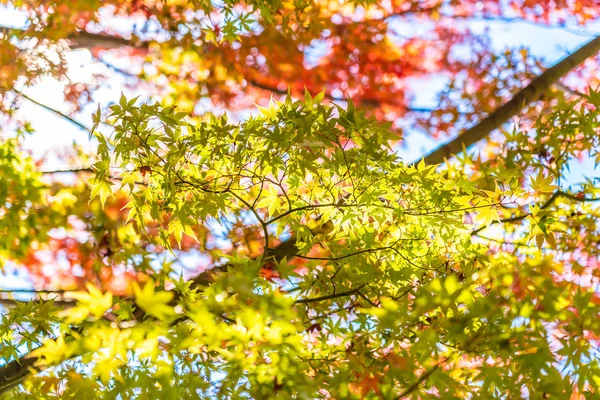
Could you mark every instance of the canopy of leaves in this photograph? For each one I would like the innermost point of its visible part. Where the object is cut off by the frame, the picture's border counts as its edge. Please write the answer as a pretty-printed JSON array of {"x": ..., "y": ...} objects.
[{"x": 286, "y": 250}]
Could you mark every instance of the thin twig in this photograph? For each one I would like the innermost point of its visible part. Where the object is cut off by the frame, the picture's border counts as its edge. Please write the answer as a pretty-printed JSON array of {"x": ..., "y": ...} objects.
[
  {"x": 330, "y": 296},
  {"x": 55, "y": 111},
  {"x": 66, "y": 171},
  {"x": 551, "y": 200},
  {"x": 419, "y": 381}
]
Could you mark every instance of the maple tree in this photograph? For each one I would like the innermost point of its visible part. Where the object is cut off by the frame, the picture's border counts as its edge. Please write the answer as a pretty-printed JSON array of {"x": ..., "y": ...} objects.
[{"x": 286, "y": 251}]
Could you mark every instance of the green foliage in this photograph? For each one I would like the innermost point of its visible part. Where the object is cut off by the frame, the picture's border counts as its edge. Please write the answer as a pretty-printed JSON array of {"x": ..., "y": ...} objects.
[
  {"x": 20, "y": 190},
  {"x": 294, "y": 255},
  {"x": 396, "y": 233},
  {"x": 380, "y": 287}
]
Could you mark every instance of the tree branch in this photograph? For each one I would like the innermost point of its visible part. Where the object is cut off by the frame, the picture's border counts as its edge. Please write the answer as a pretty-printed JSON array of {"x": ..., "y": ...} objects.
[
  {"x": 531, "y": 92},
  {"x": 329, "y": 297},
  {"x": 418, "y": 382},
  {"x": 548, "y": 203},
  {"x": 60, "y": 297},
  {"x": 85, "y": 40},
  {"x": 67, "y": 171},
  {"x": 115, "y": 68},
  {"x": 52, "y": 110},
  {"x": 14, "y": 372},
  {"x": 332, "y": 258},
  {"x": 11, "y": 302}
]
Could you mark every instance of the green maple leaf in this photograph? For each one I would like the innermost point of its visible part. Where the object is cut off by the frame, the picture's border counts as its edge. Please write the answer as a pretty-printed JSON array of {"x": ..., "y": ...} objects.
[
  {"x": 488, "y": 215},
  {"x": 154, "y": 303},
  {"x": 543, "y": 184}
]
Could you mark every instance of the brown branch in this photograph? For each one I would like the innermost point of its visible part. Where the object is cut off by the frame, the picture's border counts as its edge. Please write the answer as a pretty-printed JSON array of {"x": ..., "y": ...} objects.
[
  {"x": 332, "y": 258},
  {"x": 35, "y": 291},
  {"x": 14, "y": 372},
  {"x": 115, "y": 68},
  {"x": 504, "y": 242},
  {"x": 570, "y": 196},
  {"x": 330, "y": 296},
  {"x": 67, "y": 171},
  {"x": 83, "y": 39},
  {"x": 418, "y": 382},
  {"x": 86, "y": 170},
  {"x": 86, "y": 40},
  {"x": 11, "y": 302},
  {"x": 60, "y": 297},
  {"x": 530, "y": 93},
  {"x": 547, "y": 204},
  {"x": 52, "y": 110}
]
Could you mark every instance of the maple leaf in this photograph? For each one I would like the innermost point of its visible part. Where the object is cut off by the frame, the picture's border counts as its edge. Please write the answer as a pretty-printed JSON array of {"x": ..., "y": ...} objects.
[
  {"x": 94, "y": 301},
  {"x": 543, "y": 184},
  {"x": 487, "y": 215},
  {"x": 154, "y": 303}
]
